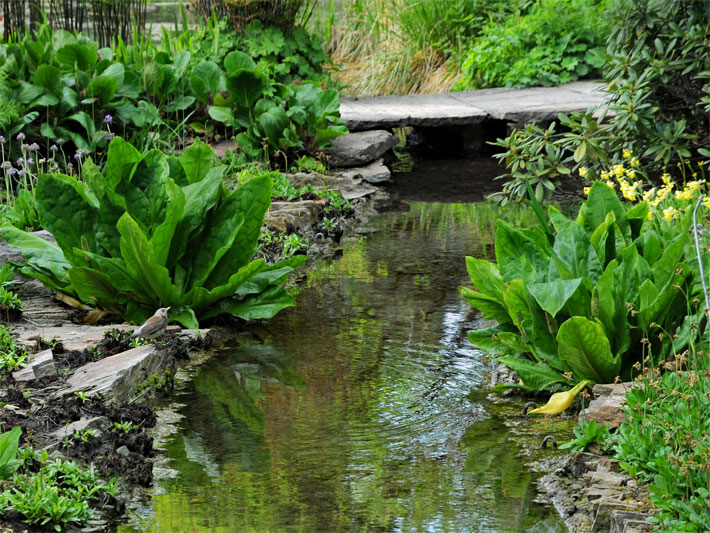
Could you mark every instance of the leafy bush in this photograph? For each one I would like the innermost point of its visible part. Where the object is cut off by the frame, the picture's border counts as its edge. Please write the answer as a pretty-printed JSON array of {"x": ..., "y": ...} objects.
[
  {"x": 554, "y": 42},
  {"x": 154, "y": 231},
  {"x": 12, "y": 355},
  {"x": 656, "y": 70},
  {"x": 585, "y": 302}
]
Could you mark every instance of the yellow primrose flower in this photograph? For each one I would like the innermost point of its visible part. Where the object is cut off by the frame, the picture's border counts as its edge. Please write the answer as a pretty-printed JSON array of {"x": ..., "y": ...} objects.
[
  {"x": 618, "y": 170},
  {"x": 706, "y": 202},
  {"x": 604, "y": 175},
  {"x": 586, "y": 191},
  {"x": 649, "y": 194},
  {"x": 670, "y": 213},
  {"x": 630, "y": 174},
  {"x": 582, "y": 171},
  {"x": 666, "y": 178},
  {"x": 627, "y": 153},
  {"x": 649, "y": 216},
  {"x": 634, "y": 162},
  {"x": 693, "y": 185},
  {"x": 685, "y": 194}
]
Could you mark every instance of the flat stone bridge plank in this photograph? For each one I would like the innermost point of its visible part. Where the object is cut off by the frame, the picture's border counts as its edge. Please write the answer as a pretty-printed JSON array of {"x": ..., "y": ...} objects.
[{"x": 534, "y": 104}]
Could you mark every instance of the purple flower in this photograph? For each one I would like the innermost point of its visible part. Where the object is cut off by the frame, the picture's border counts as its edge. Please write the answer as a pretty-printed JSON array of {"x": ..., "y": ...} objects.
[
  {"x": 20, "y": 136},
  {"x": 6, "y": 165},
  {"x": 33, "y": 147},
  {"x": 60, "y": 141},
  {"x": 30, "y": 161},
  {"x": 53, "y": 148},
  {"x": 12, "y": 171},
  {"x": 109, "y": 137},
  {"x": 20, "y": 162},
  {"x": 42, "y": 161},
  {"x": 108, "y": 119},
  {"x": 100, "y": 57},
  {"x": 77, "y": 156},
  {"x": 21, "y": 172},
  {"x": 2, "y": 139},
  {"x": 69, "y": 166}
]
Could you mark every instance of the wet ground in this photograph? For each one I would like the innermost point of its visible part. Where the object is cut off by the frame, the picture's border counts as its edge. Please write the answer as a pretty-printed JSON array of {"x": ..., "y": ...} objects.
[{"x": 364, "y": 408}]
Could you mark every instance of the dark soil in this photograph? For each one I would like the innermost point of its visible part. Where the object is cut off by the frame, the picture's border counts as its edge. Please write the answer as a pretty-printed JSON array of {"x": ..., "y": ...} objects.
[{"x": 122, "y": 452}]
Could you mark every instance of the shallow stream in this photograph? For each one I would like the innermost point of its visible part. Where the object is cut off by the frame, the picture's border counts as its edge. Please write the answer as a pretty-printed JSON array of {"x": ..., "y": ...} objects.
[{"x": 363, "y": 408}]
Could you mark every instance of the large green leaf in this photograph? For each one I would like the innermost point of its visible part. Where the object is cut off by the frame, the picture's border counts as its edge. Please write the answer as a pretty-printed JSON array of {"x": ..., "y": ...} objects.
[
  {"x": 103, "y": 88},
  {"x": 603, "y": 199},
  {"x": 79, "y": 56},
  {"x": 573, "y": 250},
  {"x": 200, "y": 298},
  {"x": 197, "y": 160},
  {"x": 256, "y": 306},
  {"x": 236, "y": 62},
  {"x": 162, "y": 237},
  {"x": 246, "y": 88},
  {"x": 554, "y": 295},
  {"x": 8, "y": 451},
  {"x": 535, "y": 376},
  {"x": 516, "y": 301},
  {"x": 49, "y": 78},
  {"x": 512, "y": 246},
  {"x": 253, "y": 198},
  {"x": 120, "y": 161},
  {"x": 491, "y": 308},
  {"x": 95, "y": 287},
  {"x": 42, "y": 256},
  {"x": 207, "y": 80},
  {"x": 141, "y": 262},
  {"x": 200, "y": 197},
  {"x": 272, "y": 119},
  {"x": 66, "y": 212},
  {"x": 584, "y": 346},
  {"x": 486, "y": 339},
  {"x": 485, "y": 277}
]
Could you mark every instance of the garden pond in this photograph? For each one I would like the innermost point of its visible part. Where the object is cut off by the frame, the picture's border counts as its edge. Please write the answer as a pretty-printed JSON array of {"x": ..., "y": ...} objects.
[{"x": 363, "y": 407}]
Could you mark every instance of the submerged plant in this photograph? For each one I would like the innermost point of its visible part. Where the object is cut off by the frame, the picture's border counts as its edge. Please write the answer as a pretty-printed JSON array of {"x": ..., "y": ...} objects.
[{"x": 153, "y": 231}]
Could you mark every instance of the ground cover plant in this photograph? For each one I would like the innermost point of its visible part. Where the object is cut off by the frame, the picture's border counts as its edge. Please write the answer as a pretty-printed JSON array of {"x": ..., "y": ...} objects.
[
  {"x": 47, "y": 493},
  {"x": 152, "y": 231}
]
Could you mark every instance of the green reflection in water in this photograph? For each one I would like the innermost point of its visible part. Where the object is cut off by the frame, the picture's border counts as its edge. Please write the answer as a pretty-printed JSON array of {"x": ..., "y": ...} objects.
[{"x": 356, "y": 413}]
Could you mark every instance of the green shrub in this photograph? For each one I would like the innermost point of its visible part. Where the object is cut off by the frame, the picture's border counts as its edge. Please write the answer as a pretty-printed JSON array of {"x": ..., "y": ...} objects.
[
  {"x": 153, "y": 231},
  {"x": 657, "y": 74},
  {"x": 12, "y": 355},
  {"x": 554, "y": 42},
  {"x": 587, "y": 301}
]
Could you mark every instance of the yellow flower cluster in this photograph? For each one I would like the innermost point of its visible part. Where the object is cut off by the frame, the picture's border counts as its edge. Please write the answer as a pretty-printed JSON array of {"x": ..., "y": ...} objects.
[{"x": 670, "y": 213}]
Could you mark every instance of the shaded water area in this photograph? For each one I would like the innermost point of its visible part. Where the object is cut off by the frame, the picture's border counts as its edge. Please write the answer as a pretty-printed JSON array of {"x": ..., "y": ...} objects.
[{"x": 363, "y": 408}]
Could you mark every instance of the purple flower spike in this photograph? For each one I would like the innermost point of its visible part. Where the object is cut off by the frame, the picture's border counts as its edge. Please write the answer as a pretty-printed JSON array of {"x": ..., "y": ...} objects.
[
  {"x": 53, "y": 148},
  {"x": 20, "y": 161},
  {"x": 30, "y": 161},
  {"x": 20, "y": 137},
  {"x": 108, "y": 119},
  {"x": 33, "y": 147},
  {"x": 109, "y": 137}
]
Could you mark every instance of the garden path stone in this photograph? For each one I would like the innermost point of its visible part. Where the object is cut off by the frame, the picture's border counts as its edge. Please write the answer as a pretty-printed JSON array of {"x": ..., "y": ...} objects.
[
  {"x": 533, "y": 104},
  {"x": 39, "y": 366},
  {"x": 361, "y": 148},
  {"x": 376, "y": 173},
  {"x": 118, "y": 377}
]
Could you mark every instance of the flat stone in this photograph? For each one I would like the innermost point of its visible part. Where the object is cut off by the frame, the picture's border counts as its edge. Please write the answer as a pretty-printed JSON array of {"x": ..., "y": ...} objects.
[
  {"x": 118, "y": 377},
  {"x": 295, "y": 216},
  {"x": 533, "y": 104},
  {"x": 97, "y": 422},
  {"x": 38, "y": 366},
  {"x": 606, "y": 407},
  {"x": 376, "y": 172},
  {"x": 637, "y": 526},
  {"x": 609, "y": 479},
  {"x": 356, "y": 149},
  {"x": 73, "y": 337}
]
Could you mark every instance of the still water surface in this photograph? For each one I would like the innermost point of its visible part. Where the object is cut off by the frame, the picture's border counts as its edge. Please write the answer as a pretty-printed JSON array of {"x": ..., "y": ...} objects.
[{"x": 363, "y": 408}]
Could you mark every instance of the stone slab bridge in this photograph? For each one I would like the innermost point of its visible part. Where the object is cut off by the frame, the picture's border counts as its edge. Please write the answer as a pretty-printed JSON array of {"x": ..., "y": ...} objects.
[{"x": 465, "y": 121}]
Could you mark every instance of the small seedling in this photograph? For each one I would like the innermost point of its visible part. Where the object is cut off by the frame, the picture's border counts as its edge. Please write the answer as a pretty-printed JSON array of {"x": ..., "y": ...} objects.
[
  {"x": 84, "y": 434},
  {"x": 126, "y": 427},
  {"x": 81, "y": 395}
]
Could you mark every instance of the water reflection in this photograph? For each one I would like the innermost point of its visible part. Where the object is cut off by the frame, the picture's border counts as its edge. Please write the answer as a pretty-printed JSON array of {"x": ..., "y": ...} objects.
[{"x": 355, "y": 414}]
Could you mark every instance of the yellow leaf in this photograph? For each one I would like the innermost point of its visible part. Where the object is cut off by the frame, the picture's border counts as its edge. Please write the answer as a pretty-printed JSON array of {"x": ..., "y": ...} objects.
[{"x": 560, "y": 400}]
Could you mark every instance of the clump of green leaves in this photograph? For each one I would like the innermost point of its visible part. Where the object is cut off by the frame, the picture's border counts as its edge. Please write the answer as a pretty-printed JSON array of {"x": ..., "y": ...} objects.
[
  {"x": 49, "y": 492},
  {"x": 586, "y": 434},
  {"x": 587, "y": 299},
  {"x": 12, "y": 355},
  {"x": 153, "y": 231},
  {"x": 666, "y": 443},
  {"x": 553, "y": 42}
]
